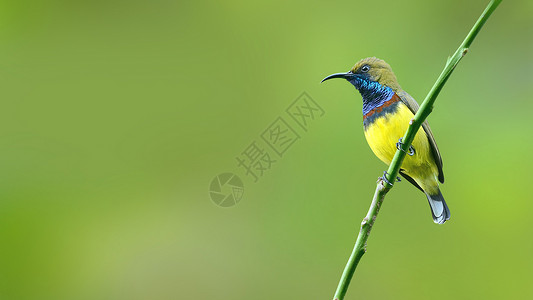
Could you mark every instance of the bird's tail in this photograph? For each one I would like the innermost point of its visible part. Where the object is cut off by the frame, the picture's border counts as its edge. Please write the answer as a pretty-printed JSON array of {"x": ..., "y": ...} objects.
[{"x": 439, "y": 209}]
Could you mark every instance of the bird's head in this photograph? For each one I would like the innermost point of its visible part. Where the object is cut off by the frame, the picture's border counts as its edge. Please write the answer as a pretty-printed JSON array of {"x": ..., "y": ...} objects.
[{"x": 369, "y": 70}]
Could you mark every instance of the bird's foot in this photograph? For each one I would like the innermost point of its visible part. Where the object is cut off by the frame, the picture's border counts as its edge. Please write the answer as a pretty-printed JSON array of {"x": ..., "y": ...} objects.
[
  {"x": 384, "y": 178},
  {"x": 411, "y": 148}
]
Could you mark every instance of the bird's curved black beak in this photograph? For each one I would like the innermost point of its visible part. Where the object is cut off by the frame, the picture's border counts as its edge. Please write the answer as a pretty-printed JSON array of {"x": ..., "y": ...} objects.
[{"x": 346, "y": 75}]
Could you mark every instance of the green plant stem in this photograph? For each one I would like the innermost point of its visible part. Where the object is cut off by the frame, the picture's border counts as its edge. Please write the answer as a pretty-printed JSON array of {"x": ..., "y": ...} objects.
[{"x": 383, "y": 188}]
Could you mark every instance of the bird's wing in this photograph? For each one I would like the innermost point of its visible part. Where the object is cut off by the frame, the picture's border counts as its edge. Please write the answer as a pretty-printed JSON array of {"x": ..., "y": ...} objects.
[
  {"x": 413, "y": 106},
  {"x": 411, "y": 180}
]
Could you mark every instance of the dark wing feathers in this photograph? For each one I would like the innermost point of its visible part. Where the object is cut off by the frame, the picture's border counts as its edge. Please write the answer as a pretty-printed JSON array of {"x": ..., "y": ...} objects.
[
  {"x": 413, "y": 106},
  {"x": 411, "y": 180}
]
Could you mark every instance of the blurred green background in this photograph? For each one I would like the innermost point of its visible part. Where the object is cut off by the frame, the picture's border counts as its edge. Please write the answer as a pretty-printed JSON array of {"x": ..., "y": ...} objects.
[{"x": 116, "y": 115}]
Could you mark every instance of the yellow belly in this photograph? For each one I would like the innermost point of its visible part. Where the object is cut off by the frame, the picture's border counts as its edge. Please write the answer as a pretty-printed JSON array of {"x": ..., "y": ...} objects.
[{"x": 382, "y": 136}]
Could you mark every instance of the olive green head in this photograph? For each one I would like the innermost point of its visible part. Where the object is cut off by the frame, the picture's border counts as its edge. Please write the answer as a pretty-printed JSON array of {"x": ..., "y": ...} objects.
[{"x": 375, "y": 69}]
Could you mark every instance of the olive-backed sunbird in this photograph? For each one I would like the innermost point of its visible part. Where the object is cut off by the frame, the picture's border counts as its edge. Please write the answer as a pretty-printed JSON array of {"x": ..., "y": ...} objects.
[{"x": 387, "y": 111}]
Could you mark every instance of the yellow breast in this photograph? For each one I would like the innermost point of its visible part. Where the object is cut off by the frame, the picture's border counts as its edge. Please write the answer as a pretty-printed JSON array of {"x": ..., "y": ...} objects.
[{"x": 385, "y": 131}]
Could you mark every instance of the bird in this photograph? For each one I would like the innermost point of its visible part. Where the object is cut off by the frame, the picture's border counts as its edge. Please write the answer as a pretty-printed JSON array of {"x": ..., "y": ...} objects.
[{"x": 387, "y": 112}]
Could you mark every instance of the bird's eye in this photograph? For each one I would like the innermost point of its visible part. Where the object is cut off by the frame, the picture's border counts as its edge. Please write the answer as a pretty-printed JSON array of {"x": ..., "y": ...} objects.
[{"x": 365, "y": 68}]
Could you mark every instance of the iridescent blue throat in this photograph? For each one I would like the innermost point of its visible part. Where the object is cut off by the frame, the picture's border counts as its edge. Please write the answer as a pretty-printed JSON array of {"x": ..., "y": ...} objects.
[{"x": 374, "y": 94}]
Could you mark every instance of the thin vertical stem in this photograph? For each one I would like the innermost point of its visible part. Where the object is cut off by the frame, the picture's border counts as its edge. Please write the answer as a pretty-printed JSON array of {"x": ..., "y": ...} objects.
[{"x": 394, "y": 168}]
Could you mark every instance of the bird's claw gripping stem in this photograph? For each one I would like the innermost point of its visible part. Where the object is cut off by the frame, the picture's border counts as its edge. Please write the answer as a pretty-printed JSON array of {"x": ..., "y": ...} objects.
[
  {"x": 411, "y": 151},
  {"x": 384, "y": 178}
]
